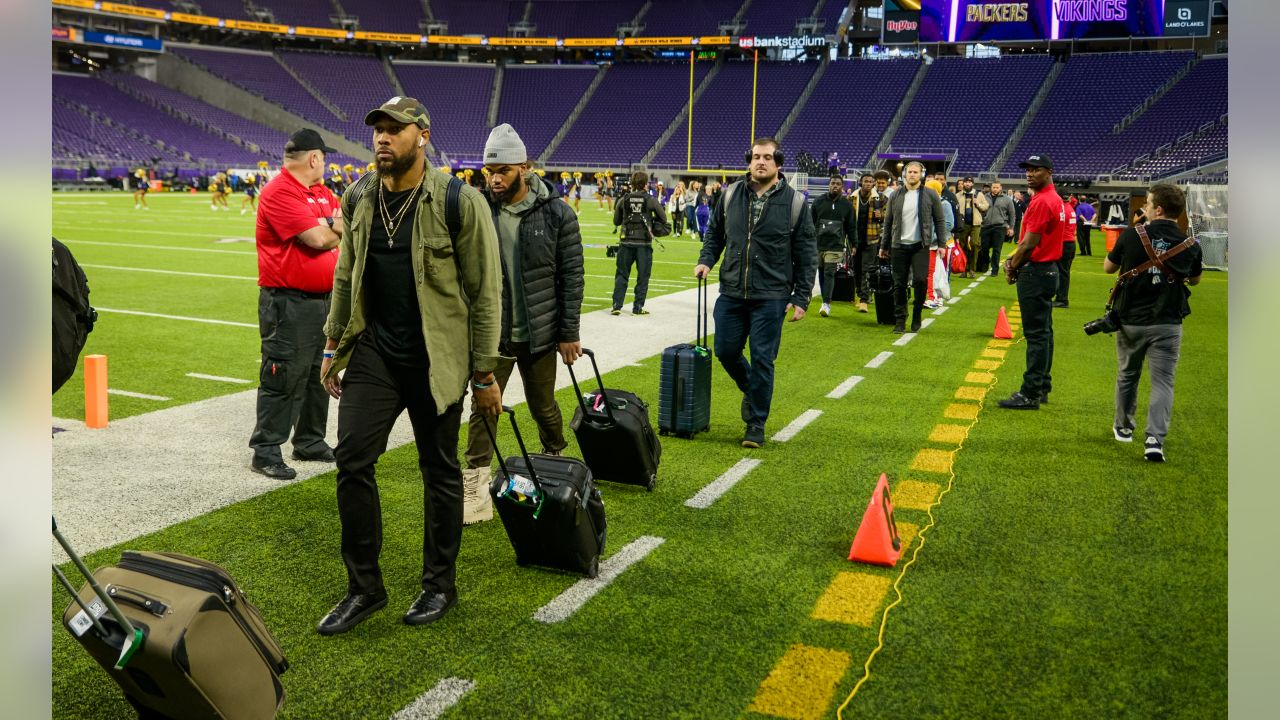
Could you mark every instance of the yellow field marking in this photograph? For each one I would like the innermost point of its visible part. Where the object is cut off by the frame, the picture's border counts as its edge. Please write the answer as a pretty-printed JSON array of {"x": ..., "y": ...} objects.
[
  {"x": 800, "y": 686},
  {"x": 852, "y": 598},
  {"x": 986, "y": 364},
  {"x": 914, "y": 495},
  {"x": 980, "y": 378},
  {"x": 947, "y": 434},
  {"x": 933, "y": 461},
  {"x": 961, "y": 411},
  {"x": 907, "y": 532},
  {"x": 993, "y": 353},
  {"x": 970, "y": 392},
  {"x": 998, "y": 343}
]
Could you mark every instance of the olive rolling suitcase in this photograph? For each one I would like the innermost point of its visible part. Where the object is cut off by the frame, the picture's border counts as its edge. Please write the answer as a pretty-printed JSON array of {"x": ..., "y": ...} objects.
[
  {"x": 613, "y": 430},
  {"x": 178, "y": 636},
  {"x": 884, "y": 294},
  {"x": 684, "y": 384},
  {"x": 550, "y": 507}
]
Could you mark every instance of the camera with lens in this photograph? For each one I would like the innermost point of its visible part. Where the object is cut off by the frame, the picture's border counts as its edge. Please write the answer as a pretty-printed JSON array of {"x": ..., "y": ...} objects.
[{"x": 1108, "y": 323}]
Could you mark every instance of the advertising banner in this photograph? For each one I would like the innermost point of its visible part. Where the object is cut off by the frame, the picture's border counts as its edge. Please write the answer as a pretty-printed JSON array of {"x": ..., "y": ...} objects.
[
  {"x": 994, "y": 21},
  {"x": 901, "y": 22}
]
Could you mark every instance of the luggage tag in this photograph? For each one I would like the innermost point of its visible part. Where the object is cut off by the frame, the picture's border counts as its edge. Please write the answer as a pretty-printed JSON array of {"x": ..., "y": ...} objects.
[
  {"x": 81, "y": 623},
  {"x": 522, "y": 491}
]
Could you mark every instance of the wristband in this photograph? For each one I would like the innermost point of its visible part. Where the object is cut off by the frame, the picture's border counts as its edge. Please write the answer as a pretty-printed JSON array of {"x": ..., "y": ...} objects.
[
  {"x": 328, "y": 354},
  {"x": 481, "y": 386},
  {"x": 330, "y": 221}
]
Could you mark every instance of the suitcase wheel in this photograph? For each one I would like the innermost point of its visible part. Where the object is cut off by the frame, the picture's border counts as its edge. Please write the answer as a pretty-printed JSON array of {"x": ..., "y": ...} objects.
[
  {"x": 653, "y": 480},
  {"x": 663, "y": 432}
]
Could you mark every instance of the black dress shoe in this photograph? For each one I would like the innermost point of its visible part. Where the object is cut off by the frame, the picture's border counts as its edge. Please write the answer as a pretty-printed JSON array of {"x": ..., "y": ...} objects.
[
  {"x": 324, "y": 456},
  {"x": 430, "y": 607},
  {"x": 1060, "y": 304},
  {"x": 350, "y": 612},
  {"x": 899, "y": 328},
  {"x": 277, "y": 471}
]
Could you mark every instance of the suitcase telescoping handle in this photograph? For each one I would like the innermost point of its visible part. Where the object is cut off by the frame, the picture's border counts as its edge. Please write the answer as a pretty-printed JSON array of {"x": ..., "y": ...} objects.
[
  {"x": 134, "y": 636},
  {"x": 700, "y": 326},
  {"x": 533, "y": 474},
  {"x": 578, "y": 391}
]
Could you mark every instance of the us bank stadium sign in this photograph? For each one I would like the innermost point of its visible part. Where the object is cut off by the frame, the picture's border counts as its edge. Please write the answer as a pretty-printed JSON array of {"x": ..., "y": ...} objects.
[{"x": 794, "y": 43}]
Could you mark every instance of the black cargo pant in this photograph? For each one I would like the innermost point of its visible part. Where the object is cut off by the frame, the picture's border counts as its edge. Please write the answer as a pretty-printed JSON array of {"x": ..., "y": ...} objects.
[
  {"x": 1064, "y": 272},
  {"x": 1037, "y": 282},
  {"x": 374, "y": 393},
  {"x": 641, "y": 255},
  {"x": 290, "y": 395}
]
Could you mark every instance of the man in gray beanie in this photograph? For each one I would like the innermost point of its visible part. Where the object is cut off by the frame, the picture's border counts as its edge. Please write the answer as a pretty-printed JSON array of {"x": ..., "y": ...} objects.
[{"x": 541, "y": 302}]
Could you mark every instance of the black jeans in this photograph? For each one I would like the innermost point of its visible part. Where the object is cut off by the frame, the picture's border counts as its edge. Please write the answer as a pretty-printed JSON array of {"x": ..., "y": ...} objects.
[
  {"x": 1064, "y": 272},
  {"x": 909, "y": 261},
  {"x": 1037, "y": 282},
  {"x": 642, "y": 257},
  {"x": 1083, "y": 239},
  {"x": 761, "y": 321},
  {"x": 290, "y": 395},
  {"x": 374, "y": 394},
  {"x": 989, "y": 252}
]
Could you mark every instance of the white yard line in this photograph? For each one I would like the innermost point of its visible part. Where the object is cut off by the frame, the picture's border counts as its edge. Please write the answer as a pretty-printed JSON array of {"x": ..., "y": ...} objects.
[
  {"x": 926, "y": 323},
  {"x": 843, "y": 388},
  {"x": 906, "y": 338},
  {"x": 879, "y": 360},
  {"x": 161, "y": 247},
  {"x": 794, "y": 427},
  {"x": 965, "y": 291},
  {"x": 219, "y": 378},
  {"x": 941, "y": 310},
  {"x": 140, "y": 396},
  {"x": 564, "y": 605},
  {"x": 436, "y": 701},
  {"x": 170, "y": 272},
  {"x": 722, "y": 484},
  {"x": 178, "y": 317},
  {"x": 954, "y": 300},
  {"x": 132, "y": 230}
]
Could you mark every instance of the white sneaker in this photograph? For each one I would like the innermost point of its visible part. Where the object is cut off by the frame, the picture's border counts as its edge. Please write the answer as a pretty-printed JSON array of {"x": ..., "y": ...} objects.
[
  {"x": 213, "y": 208},
  {"x": 477, "y": 507},
  {"x": 826, "y": 310},
  {"x": 243, "y": 211}
]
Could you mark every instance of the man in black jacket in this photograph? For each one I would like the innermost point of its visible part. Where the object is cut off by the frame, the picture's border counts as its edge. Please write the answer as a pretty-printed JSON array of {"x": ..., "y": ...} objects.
[
  {"x": 541, "y": 303},
  {"x": 770, "y": 257},
  {"x": 641, "y": 217},
  {"x": 913, "y": 224},
  {"x": 836, "y": 231}
]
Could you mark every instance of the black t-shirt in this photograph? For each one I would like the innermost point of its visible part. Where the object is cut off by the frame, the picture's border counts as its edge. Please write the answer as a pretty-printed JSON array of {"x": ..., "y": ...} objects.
[
  {"x": 1149, "y": 299},
  {"x": 390, "y": 290}
]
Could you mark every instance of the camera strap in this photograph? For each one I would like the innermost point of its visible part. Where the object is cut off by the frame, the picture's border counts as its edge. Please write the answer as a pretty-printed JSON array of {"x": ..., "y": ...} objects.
[{"x": 1155, "y": 260}]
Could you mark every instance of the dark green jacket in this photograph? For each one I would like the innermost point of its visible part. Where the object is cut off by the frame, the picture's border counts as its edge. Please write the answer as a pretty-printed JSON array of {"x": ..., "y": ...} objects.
[
  {"x": 771, "y": 261},
  {"x": 459, "y": 283}
]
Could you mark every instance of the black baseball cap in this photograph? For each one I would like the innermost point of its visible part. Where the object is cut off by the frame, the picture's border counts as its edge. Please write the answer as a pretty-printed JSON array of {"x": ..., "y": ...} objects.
[
  {"x": 968, "y": 179},
  {"x": 307, "y": 139},
  {"x": 1041, "y": 161}
]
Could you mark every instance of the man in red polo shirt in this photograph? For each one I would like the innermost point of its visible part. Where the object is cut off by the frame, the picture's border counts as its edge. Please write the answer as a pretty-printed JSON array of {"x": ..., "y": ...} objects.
[
  {"x": 299, "y": 226},
  {"x": 1034, "y": 267}
]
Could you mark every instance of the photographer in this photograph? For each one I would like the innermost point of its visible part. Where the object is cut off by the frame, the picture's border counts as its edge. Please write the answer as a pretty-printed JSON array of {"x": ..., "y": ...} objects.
[
  {"x": 641, "y": 218},
  {"x": 1149, "y": 306}
]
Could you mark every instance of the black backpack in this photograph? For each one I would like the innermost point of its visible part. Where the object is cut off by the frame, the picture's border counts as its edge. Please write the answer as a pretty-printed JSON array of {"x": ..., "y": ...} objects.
[{"x": 73, "y": 316}]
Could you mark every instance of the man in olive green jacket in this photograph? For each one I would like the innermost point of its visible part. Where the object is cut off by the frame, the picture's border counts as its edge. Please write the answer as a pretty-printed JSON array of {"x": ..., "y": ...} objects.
[{"x": 416, "y": 314}]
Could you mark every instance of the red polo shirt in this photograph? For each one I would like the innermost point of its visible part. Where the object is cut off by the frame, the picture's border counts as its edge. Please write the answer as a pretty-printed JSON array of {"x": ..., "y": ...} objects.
[
  {"x": 285, "y": 209},
  {"x": 1069, "y": 227},
  {"x": 1046, "y": 215}
]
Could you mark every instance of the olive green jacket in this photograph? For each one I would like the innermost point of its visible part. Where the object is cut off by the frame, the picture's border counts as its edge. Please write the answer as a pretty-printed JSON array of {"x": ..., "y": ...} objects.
[{"x": 459, "y": 283}]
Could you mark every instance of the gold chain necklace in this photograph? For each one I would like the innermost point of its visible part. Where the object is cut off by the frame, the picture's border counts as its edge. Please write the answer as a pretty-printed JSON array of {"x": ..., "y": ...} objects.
[{"x": 390, "y": 224}]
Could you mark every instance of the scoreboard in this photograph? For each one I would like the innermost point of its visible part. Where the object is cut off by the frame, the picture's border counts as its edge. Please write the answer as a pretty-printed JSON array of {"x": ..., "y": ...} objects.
[{"x": 995, "y": 21}]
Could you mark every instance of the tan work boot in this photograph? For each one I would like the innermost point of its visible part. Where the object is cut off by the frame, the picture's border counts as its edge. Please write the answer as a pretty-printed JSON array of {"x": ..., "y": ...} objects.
[
  {"x": 862, "y": 307},
  {"x": 476, "y": 505}
]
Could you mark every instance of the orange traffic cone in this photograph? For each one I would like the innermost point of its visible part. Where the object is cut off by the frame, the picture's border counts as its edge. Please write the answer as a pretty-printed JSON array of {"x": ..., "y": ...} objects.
[
  {"x": 877, "y": 541},
  {"x": 1002, "y": 326}
]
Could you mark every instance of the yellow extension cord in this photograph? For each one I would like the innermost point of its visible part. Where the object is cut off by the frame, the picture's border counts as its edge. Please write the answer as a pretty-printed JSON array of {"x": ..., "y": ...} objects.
[{"x": 884, "y": 618}]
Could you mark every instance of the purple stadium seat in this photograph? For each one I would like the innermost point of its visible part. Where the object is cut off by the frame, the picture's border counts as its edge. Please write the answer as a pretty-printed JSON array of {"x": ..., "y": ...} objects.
[
  {"x": 478, "y": 17},
  {"x": 397, "y": 16},
  {"x": 681, "y": 18},
  {"x": 537, "y": 100},
  {"x": 581, "y": 18},
  {"x": 457, "y": 97},
  {"x": 850, "y": 109}
]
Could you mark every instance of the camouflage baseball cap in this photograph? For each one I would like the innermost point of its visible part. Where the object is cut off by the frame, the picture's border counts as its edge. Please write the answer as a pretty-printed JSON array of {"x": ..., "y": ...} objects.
[{"x": 401, "y": 109}]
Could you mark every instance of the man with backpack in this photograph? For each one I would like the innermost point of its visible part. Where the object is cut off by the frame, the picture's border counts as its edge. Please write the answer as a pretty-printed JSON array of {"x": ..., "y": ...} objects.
[
  {"x": 836, "y": 230},
  {"x": 415, "y": 320},
  {"x": 770, "y": 257},
  {"x": 641, "y": 218},
  {"x": 541, "y": 303}
]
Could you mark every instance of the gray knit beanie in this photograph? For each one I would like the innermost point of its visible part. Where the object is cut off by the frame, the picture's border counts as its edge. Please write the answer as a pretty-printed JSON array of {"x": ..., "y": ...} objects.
[{"x": 504, "y": 147}]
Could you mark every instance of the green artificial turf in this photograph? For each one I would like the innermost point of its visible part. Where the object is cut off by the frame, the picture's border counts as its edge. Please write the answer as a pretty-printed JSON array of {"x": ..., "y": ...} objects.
[{"x": 1065, "y": 577}]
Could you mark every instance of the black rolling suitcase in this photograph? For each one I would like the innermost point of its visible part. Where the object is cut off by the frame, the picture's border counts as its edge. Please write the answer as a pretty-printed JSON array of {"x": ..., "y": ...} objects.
[
  {"x": 550, "y": 508},
  {"x": 845, "y": 288},
  {"x": 177, "y": 636},
  {"x": 614, "y": 433},
  {"x": 884, "y": 294},
  {"x": 684, "y": 385}
]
